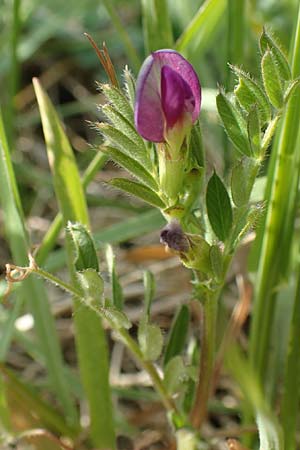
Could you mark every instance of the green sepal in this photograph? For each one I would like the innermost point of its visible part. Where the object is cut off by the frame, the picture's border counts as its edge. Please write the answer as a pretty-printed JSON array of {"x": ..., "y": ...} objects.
[
  {"x": 241, "y": 181},
  {"x": 271, "y": 79},
  {"x": 117, "y": 292},
  {"x": 133, "y": 166},
  {"x": 267, "y": 42},
  {"x": 92, "y": 286},
  {"x": 254, "y": 131},
  {"x": 138, "y": 190},
  {"x": 178, "y": 334},
  {"x": 196, "y": 146},
  {"x": 250, "y": 93},
  {"x": 85, "y": 256},
  {"x": 234, "y": 124},
  {"x": 218, "y": 207},
  {"x": 150, "y": 340}
]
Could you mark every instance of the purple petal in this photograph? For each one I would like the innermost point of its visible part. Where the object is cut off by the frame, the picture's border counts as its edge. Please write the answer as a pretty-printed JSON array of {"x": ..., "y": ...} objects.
[
  {"x": 181, "y": 66},
  {"x": 173, "y": 236},
  {"x": 149, "y": 112},
  {"x": 176, "y": 96}
]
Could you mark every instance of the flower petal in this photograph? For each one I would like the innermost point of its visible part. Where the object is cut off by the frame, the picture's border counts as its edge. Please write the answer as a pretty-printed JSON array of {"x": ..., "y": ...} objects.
[
  {"x": 148, "y": 114},
  {"x": 176, "y": 96},
  {"x": 181, "y": 66}
]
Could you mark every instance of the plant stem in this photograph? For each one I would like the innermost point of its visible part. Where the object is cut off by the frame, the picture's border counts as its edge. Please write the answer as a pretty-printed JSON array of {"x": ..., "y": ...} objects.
[
  {"x": 148, "y": 366},
  {"x": 199, "y": 409}
]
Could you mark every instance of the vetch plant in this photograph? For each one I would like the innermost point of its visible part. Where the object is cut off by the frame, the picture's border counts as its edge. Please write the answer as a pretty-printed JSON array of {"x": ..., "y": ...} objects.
[{"x": 153, "y": 132}]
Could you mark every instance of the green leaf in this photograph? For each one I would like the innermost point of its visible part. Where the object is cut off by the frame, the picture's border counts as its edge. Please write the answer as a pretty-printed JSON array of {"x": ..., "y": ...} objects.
[
  {"x": 66, "y": 177},
  {"x": 139, "y": 190},
  {"x": 85, "y": 256},
  {"x": 117, "y": 293},
  {"x": 178, "y": 334},
  {"x": 254, "y": 131},
  {"x": 116, "y": 317},
  {"x": 241, "y": 181},
  {"x": 125, "y": 144},
  {"x": 156, "y": 25},
  {"x": 90, "y": 337},
  {"x": 150, "y": 340},
  {"x": 175, "y": 375},
  {"x": 31, "y": 290},
  {"x": 234, "y": 123},
  {"x": 272, "y": 82},
  {"x": 149, "y": 287},
  {"x": 92, "y": 286},
  {"x": 250, "y": 93},
  {"x": 267, "y": 42},
  {"x": 218, "y": 207},
  {"x": 118, "y": 100},
  {"x": 122, "y": 124},
  {"x": 133, "y": 167},
  {"x": 129, "y": 85}
]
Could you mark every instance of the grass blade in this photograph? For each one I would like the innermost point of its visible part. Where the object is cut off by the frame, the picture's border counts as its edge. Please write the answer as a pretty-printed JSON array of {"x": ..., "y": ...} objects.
[
  {"x": 156, "y": 25},
  {"x": 290, "y": 401},
  {"x": 90, "y": 336},
  {"x": 278, "y": 231},
  {"x": 32, "y": 290},
  {"x": 201, "y": 28}
]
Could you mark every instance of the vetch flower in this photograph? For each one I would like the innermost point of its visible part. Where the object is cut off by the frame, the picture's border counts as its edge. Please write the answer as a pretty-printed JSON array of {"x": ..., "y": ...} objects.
[
  {"x": 192, "y": 249},
  {"x": 168, "y": 98}
]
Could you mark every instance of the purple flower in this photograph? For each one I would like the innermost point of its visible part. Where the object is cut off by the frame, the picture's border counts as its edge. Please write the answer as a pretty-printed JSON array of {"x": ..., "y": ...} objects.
[
  {"x": 173, "y": 236},
  {"x": 168, "y": 96}
]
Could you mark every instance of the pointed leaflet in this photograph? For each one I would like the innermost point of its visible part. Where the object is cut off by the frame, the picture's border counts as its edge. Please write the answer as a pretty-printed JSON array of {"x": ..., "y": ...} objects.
[
  {"x": 249, "y": 93},
  {"x": 268, "y": 42},
  {"x": 272, "y": 81},
  {"x": 133, "y": 167},
  {"x": 218, "y": 207},
  {"x": 234, "y": 123},
  {"x": 125, "y": 144},
  {"x": 90, "y": 337},
  {"x": 139, "y": 190}
]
